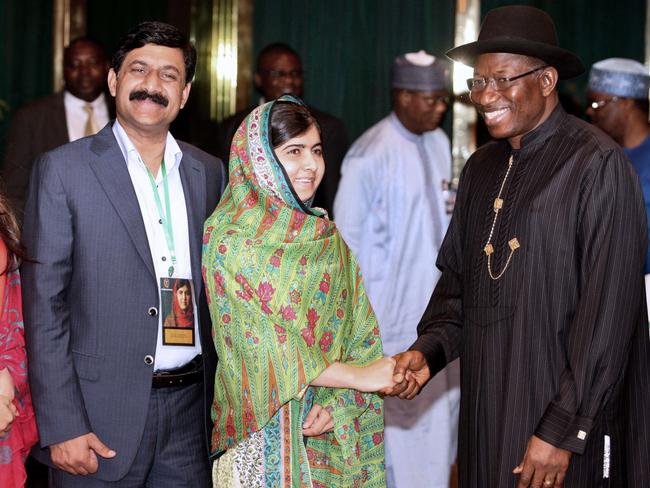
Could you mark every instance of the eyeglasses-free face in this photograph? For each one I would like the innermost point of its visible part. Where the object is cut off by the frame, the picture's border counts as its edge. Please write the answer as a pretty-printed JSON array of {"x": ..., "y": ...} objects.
[{"x": 478, "y": 84}]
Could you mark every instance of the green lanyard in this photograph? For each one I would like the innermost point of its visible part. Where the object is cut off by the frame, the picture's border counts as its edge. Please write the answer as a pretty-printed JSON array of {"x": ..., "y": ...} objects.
[{"x": 166, "y": 221}]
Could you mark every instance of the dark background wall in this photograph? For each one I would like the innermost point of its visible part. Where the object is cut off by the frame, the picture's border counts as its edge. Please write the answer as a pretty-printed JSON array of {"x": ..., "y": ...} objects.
[
  {"x": 108, "y": 21},
  {"x": 347, "y": 45},
  {"x": 26, "y": 55}
]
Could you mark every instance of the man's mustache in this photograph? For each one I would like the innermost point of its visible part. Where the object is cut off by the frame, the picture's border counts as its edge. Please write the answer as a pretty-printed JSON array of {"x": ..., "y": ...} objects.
[{"x": 154, "y": 97}]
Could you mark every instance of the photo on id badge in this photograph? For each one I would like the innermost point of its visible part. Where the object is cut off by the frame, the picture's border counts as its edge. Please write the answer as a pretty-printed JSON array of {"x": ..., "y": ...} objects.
[{"x": 177, "y": 303}]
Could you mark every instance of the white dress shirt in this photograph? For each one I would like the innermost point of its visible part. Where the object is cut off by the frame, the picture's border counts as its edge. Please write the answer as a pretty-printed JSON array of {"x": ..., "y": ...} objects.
[
  {"x": 167, "y": 357},
  {"x": 76, "y": 117}
]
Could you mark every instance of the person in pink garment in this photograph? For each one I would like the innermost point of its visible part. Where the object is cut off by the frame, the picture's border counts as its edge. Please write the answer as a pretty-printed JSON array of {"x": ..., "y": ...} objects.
[{"x": 17, "y": 424}]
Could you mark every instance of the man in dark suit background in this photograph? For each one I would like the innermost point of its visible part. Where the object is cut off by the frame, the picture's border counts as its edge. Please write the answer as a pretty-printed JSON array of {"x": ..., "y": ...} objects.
[
  {"x": 279, "y": 71},
  {"x": 112, "y": 222},
  {"x": 80, "y": 109}
]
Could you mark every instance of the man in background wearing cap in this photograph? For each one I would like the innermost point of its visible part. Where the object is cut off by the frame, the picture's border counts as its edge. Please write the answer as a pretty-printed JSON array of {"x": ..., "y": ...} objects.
[
  {"x": 541, "y": 294},
  {"x": 618, "y": 104},
  {"x": 391, "y": 212}
]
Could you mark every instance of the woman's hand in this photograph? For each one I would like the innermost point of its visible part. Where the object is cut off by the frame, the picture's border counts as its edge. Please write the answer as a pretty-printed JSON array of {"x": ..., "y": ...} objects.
[
  {"x": 318, "y": 421},
  {"x": 376, "y": 376},
  {"x": 8, "y": 411}
]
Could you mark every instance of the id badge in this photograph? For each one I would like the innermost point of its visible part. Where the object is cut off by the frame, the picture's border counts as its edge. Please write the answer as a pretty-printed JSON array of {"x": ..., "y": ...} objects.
[{"x": 177, "y": 303}]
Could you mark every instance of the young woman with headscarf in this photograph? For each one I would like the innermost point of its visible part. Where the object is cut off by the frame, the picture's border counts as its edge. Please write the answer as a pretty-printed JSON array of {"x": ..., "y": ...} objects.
[
  {"x": 292, "y": 324},
  {"x": 182, "y": 313}
]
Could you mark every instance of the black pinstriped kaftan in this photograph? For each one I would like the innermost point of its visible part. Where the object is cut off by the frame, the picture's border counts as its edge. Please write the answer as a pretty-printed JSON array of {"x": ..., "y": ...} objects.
[{"x": 558, "y": 347}]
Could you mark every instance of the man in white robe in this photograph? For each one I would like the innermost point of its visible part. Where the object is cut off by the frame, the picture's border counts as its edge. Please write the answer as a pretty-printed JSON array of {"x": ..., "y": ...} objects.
[{"x": 391, "y": 210}]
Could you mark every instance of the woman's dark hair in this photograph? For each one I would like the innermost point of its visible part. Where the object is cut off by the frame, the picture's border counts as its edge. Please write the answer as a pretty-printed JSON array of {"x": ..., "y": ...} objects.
[
  {"x": 10, "y": 235},
  {"x": 289, "y": 120},
  {"x": 160, "y": 34},
  {"x": 182, "y": 283}
]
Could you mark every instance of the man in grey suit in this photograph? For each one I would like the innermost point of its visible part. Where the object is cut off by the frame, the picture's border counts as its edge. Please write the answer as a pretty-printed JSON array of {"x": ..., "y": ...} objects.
[{"x": 121, "y": 374}]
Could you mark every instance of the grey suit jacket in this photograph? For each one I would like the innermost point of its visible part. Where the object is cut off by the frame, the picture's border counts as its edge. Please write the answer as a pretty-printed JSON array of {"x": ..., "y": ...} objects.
[{"x": 88, "y": 295}]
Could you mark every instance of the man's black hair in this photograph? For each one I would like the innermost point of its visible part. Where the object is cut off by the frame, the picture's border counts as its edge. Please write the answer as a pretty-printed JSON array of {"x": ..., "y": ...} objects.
[
  {"x": 276, "y": 47},
  {"x": 87, "y": 39},
  {"x": 161, "y": 34}
]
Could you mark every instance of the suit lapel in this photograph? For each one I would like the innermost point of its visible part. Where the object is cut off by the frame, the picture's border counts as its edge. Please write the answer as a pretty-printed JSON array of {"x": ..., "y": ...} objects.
[
  {"x": 193, "y": 180},
  {"x": 112, "y": 173}
]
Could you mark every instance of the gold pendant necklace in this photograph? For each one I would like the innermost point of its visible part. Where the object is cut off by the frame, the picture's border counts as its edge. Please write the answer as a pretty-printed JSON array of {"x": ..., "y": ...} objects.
[{"x": 512, "y": 243}]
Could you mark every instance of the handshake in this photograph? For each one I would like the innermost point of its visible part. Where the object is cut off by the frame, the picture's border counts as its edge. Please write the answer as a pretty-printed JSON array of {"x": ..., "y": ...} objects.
[
  {"x": 402, "y": 375},
  {"x": 410, "y": 375}
]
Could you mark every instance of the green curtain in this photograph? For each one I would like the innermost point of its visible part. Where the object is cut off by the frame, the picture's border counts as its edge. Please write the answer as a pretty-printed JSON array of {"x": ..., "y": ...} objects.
[
  {"x": 348, "y": 46},
  {"x": 594, "y": 30},
  {"x": 26, "y": 54}
]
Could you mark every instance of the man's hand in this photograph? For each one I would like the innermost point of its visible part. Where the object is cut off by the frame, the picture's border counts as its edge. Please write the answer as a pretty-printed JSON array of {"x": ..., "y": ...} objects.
[
  {"x": 318, "y": 421},
  {"x": 410, "y": 375},
  {"x": 79, "y": 455},
  {"x": 544, "y": 465}
]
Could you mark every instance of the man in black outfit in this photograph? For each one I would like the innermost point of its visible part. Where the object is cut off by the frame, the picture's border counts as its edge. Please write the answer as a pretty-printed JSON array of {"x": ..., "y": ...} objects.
[{"x": 542, "y": 292}]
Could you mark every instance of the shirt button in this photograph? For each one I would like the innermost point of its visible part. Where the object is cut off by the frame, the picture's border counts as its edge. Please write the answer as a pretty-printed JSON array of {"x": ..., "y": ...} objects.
[
  {"x": 148, "y": 359},
  {"x": 160, "y": 221},
  {"x": 164, "y": 258},
  {"x": 153, "y": 311}
]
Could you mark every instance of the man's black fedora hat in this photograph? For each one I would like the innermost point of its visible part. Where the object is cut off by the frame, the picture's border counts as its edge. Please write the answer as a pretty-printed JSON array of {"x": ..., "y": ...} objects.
[{"x": 520, "y": 29}]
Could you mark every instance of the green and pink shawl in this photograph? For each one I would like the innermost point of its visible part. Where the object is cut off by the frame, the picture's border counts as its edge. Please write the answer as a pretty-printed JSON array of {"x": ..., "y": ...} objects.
[{"x": 287, "y": 300}]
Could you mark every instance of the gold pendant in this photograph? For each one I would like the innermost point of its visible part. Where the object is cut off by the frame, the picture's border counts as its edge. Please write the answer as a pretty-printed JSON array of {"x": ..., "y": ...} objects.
[
  {"x": 498, "y": 204},
  {"x": 488, "y": 249},
  {"x": 513, "y": 243}
]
